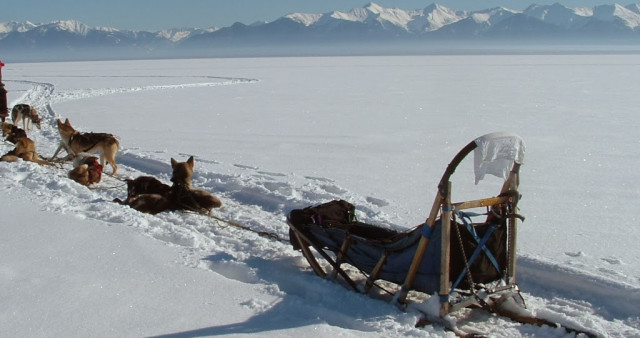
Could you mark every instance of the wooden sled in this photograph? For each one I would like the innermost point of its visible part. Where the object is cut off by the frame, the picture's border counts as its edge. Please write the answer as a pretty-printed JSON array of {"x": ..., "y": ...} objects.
[
  {"x": 465, "y": 252},
  {"x": 462, "y": 261}
]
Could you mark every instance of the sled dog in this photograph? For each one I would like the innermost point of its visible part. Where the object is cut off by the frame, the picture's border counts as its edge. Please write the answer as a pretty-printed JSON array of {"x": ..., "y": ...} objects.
[
  {"x": 188, "y": 198},
  {"x": 86, "y": 169},
  {"x": 144, "y": 185},
  {"x": 25, "y": 149},
  {"x": 75, "y": 142},
  {"x": 147, "y": 194},
  {"x": 13, "y": 132},
  {"x": 27, "y": 114}
]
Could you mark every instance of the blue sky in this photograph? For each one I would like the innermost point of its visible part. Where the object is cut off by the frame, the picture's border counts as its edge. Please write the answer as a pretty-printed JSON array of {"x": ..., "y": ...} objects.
[{"x": 160, "y": 14}]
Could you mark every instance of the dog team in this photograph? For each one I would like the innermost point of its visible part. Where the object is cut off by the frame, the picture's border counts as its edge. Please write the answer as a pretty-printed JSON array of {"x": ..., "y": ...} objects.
[{"x": 145, "y": 193}]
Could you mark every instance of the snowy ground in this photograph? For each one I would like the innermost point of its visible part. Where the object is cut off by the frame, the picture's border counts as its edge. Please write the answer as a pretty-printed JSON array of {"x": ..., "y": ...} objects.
[{"x": 273, "y": 134}]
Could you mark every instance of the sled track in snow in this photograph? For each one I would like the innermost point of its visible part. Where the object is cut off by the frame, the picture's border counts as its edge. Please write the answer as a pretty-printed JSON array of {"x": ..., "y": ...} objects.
[
  {"x": 39, "y": 96},
  {"x": 609, "y": 298},
  {"x": 259, "y": 191},
  {"x": 77, "y": 94}
]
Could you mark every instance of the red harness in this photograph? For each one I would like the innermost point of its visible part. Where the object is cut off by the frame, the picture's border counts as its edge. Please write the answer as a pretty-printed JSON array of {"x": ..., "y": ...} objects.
[{"x": 95, "y": 167}]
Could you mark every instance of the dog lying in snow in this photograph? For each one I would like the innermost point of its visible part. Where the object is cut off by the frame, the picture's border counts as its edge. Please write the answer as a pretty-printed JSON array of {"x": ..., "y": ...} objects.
[
  {"x": 144, "y": 185},
  {"x": 86, "y": 169},
  {"x": 149, "y": 195},
  {"x": 12, "y": 132},
  {"x": 25, "y": 149}
]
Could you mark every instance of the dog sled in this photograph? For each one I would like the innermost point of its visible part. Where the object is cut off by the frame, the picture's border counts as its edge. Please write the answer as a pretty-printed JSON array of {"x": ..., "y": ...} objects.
[{"x": 465, "y": 252}]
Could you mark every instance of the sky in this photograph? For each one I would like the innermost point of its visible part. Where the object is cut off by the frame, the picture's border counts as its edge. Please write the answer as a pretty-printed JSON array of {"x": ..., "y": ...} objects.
[{"x": 153, "y": 15}]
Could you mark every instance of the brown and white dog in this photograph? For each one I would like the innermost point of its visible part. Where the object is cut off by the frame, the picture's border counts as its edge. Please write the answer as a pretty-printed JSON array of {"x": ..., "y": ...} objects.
[
  {"x": 75, "y": 142},
  {"x": 27, "y": 114},
  {"x": 12, "y": 132},
  {"x": 25, "y": 149},
  {"x": 147, "y": 194},
  {"x": 86, "y": 169}
]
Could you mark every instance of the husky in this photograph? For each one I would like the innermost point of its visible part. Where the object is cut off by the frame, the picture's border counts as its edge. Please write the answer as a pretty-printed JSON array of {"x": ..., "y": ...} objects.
[
  {"x": 26, "y": 150},
  {"x": 75, "y": 142},
  {"x": 144, "y": 185},
  {"x": 186, "y": 197},
  {"x": 27, "y": 114},
  {"x": 147, "y": 194},
  {"x": 86, "y": 169},
  {"x": 152, "y": 196},
  {"x": 13, "y": 132}
]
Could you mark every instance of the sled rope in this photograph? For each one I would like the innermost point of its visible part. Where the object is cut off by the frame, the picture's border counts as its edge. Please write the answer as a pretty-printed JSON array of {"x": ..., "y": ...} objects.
[
  {"x": 269, "y": 235},
  {"x": 190, "y": 204},
  {"x": 107, "y": 188}
]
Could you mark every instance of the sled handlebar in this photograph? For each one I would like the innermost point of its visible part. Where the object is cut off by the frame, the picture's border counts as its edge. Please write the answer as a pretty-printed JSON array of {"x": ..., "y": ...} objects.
[{"x": 451, "y": 168}]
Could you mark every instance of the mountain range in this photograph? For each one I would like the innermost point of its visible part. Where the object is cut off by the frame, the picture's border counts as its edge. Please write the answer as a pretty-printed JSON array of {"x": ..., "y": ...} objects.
[{"x": 369, "y": 25}]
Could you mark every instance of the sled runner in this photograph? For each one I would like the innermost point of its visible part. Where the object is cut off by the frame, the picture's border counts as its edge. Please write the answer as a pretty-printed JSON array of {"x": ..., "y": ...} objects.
[{"x": 465, "y": 252}]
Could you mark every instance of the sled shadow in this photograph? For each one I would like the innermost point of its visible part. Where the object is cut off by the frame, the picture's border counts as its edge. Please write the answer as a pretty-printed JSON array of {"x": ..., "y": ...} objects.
[
  {"x": 273, "y": 319},
  {"x": 307, "y": 301}
]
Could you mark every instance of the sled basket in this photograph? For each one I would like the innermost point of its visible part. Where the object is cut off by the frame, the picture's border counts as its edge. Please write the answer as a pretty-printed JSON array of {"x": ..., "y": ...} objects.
[{"x": 458, "y": 250}]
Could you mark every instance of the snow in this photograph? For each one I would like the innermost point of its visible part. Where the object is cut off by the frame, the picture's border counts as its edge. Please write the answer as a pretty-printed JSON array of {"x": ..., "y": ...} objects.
[
  {"x": 72, "y": 26},
  {"x": 304, "y": 18},
  {"x": 273, "y": 134}
]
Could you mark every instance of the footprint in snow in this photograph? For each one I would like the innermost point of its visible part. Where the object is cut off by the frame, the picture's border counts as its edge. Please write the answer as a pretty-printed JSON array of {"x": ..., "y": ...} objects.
[
  {"x": 575, "y": 254},
  {"x": 377, "y": 201},
  {"x": 333, "y": 189},
  {"x": 319, "y": 179},
  {"x": 242, "y": 166},
  {"x": 612, "y": 260},
  {"x": 271, "y": 174},
  {"x": 210, "y": 161}
]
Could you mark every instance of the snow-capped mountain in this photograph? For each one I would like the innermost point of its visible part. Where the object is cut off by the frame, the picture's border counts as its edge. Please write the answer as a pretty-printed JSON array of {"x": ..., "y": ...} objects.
[
  {"x": 175, "y": 35},
  {"x": 618, "y": 15},
  {"x": 559, "y": 15},
  {"x": 434, "y": 17},
  {"x": 73, "y": 33},
  {"x": 371, "y": 23},
  {"x": 12, "y": 26},
  {"x": 436, "y": 20}
]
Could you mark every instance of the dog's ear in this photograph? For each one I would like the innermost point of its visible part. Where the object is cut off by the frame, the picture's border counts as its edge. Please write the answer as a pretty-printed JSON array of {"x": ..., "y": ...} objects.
[
  {"x": 190, "y": 162},
  {"x": 173, "y": 163},
  {"x": 66, "y": 121},
  {"x": 59, "y": 122}
]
